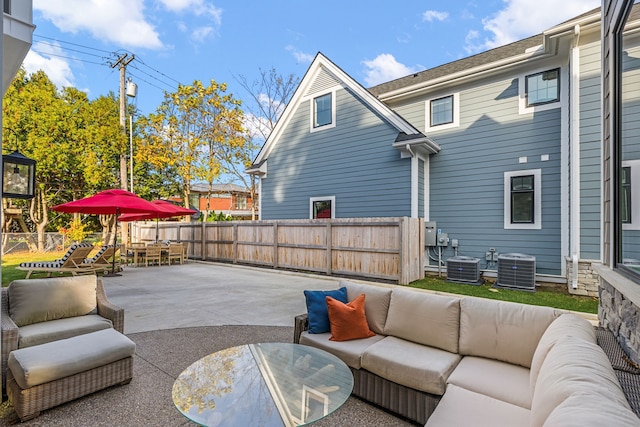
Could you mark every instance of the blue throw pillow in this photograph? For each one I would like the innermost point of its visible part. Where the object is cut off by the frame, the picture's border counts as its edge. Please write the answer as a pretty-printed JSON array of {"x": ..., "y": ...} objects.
[{"x": 317, "y": 312}]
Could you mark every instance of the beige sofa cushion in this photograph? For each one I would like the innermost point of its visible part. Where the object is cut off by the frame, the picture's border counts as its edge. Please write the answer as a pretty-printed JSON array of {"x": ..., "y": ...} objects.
[
  {"x": 591, "y": 409},
  {"x": 424, "y": 318},
  {"x": 376, "y": 303},
  {"x": 500, "y": 380},
  {"x": 350, "y": 352},
  {"x": 43, "y": 332},
  {"x": 573, "y": 365},
  {"x": 40, "y": 300},
  {"x": 566, "y": 325},
  {"x": 410, "y": 364},
  {"x": 464, "y": 408},
  {"x": 59, "y": 359},
  {"x": 500, "y": 330}
]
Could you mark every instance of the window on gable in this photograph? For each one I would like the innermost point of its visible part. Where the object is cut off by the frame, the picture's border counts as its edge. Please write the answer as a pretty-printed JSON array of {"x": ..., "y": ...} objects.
[
  {"x": 322, "y": 110},
  {"x": 442, "y": 111},
  {"x": 522, "y": 199},
  {"x": 543, "y": 88}
]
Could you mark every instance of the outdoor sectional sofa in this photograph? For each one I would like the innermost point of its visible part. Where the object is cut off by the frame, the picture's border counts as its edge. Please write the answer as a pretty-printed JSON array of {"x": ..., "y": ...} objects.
[{"x": 460, "y": 361}]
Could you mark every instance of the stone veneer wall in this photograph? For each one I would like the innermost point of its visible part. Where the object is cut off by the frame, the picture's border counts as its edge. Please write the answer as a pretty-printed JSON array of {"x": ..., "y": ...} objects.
[
  {"x": 621, "y": 316},
  {"x": 588, "y": 278}
]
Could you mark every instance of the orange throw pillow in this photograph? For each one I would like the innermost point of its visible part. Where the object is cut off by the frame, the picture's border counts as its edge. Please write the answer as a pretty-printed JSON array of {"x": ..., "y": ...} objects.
[{"x": 348, "y": 321}]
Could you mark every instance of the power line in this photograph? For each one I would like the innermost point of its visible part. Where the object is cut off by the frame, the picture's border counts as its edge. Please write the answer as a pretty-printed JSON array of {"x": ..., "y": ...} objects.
[
  {"x": 73, "y": 44},
  {"x": 71, "y": 58},
  {"x": 159, "y": 72}
]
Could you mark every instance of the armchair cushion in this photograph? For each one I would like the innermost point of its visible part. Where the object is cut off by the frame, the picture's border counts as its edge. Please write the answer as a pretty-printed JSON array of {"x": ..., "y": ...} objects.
[
  {"x": 40, "y": 300},
  {"x": 44, "y": 332}
]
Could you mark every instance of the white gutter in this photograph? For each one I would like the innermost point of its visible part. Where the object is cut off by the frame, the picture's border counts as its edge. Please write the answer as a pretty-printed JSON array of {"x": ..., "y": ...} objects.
[{"x": 575, "y": 156}]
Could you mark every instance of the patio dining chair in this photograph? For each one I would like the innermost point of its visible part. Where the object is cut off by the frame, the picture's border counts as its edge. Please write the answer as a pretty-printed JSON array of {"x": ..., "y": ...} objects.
[
  {"x": 153, "y": 254},
  {"x": 71, "y": 262},
  {"x": 175, "y": 252}
]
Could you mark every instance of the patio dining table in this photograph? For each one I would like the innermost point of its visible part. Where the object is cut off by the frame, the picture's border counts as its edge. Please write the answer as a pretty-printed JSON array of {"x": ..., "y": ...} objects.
[{"x": 140, "y": 251}]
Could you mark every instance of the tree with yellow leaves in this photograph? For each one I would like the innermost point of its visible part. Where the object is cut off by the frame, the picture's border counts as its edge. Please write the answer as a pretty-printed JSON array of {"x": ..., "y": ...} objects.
[{"x": 189, "y": 131}]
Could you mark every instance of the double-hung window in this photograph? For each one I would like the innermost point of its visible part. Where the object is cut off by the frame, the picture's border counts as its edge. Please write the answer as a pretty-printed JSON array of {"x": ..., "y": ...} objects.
[
  {"x": 523, "y": 199},
  {"x": 442, "y": 111},
  {"x": 323, "y": 110},
  {"x": 542, "y": 88}
]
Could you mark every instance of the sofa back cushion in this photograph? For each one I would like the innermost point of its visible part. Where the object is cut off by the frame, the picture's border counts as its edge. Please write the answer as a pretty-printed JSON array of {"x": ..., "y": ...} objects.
[
  {"x": 39, "y": 300},
  {"x": 566, "y": 325},
  {"x": 376, "y": 304},
  {"x": 424, "y": 318},
  {"x": 574, "y": 365},
  {"x": 503, "y": 331},
  {"x": 591, "y": 409}
]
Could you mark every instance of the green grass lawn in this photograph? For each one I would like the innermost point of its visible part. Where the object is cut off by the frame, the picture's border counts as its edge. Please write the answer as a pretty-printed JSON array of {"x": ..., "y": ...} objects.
[
  {"x": 548, "y": 296},
  {"x": 11, "y": 261},
  {"x": 551, "y": 297}
]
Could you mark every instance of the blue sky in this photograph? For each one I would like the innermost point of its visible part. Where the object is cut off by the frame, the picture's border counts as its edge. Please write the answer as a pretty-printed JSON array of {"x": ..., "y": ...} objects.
[{"x": 183, "y": 40}]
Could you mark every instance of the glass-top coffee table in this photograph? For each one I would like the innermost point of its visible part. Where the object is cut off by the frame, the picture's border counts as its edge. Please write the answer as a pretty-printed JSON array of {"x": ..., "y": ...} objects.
[{"x": 268, "y": 384}]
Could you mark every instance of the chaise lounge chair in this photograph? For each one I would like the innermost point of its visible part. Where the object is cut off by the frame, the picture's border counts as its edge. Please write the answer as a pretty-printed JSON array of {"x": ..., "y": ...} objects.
[
  {"x": 102, "y": 260},
  {"x": 71, "y": 262}
]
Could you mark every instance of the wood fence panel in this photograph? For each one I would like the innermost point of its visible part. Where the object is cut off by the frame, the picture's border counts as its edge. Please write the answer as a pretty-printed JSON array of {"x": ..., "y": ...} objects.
[{"x": 377, "y": 248}]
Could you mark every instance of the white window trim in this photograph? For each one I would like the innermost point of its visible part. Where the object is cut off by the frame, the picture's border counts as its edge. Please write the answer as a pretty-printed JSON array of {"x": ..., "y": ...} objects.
[
  {"x": 312, "y": 111},
  {"x": 537, "y": 200},
  {"x": 635, "y": 194},
  {"x": 456, "y": 113},
  {"x": 522, "y": 96},
  {"x": 318, "y": 199}
]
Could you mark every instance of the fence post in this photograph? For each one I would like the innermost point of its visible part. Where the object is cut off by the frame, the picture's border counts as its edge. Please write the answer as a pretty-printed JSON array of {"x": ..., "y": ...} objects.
[
  {"x": 329, "y": 248},
  {"x": 275, "y": 244}
]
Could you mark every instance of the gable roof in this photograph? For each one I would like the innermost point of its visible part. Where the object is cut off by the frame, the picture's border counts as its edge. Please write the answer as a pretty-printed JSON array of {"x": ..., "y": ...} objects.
[{"x": 321, "y": 62}]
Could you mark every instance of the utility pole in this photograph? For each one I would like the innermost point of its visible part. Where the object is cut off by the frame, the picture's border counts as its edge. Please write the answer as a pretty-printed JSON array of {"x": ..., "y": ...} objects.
[{"x": 122, "y": 63}]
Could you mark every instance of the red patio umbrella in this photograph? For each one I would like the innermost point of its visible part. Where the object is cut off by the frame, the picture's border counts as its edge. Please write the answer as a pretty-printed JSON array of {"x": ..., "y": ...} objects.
[
  {"x": 109, "y": 202},
  {"x": 167, "y": 210}
]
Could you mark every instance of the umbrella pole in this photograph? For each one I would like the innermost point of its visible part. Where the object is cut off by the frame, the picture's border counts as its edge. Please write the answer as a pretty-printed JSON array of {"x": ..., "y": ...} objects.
[{"x": 115, "y": 243}]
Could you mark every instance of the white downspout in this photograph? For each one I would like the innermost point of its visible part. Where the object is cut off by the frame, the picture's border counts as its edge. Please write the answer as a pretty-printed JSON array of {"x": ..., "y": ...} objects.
[{"x": 575, "y": 156}]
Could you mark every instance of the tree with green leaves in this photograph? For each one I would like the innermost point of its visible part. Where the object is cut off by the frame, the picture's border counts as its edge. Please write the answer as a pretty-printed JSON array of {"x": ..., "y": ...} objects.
[
  {"x": 190, "y": 131},
  {"x": 73, "y": 140}
]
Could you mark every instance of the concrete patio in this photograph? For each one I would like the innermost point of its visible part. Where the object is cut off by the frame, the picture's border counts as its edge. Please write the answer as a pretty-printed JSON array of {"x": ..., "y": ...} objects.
[{"x": 180, "y": 313}]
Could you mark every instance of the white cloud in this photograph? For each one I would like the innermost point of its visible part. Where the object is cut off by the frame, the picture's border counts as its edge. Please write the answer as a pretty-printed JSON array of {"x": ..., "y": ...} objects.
[
  {"x": 57, "y": 69},
  {"x": 200, "y": 34},
  {"x": 383, "y": 68},
  {"x": 523, "y": 18},
  {"x": 434, "y": 15},
  {"x": 197, "y": 7},
  {"x": 301, "y": 57},
  {"x": 118, "y": 21}
]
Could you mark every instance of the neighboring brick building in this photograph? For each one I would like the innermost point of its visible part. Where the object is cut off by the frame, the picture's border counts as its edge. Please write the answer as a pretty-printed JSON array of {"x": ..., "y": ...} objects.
[{"x": 230, "y": 199}]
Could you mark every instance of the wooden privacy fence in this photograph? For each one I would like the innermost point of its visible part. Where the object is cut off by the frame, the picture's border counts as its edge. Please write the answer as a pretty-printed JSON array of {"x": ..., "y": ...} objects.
[{"x": 389, "y": 249}]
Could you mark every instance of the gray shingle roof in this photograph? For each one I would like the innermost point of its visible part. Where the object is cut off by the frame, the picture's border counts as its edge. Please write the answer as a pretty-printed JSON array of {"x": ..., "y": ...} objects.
[{"x": 484, "y": 58}]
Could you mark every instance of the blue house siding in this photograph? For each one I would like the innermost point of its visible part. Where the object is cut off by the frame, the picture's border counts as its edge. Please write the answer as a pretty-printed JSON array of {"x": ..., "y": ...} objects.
[
  {"x": 590, "y": 151},
  {"x": 467, "y": 176},
  {"x": 340, "y": 162}
]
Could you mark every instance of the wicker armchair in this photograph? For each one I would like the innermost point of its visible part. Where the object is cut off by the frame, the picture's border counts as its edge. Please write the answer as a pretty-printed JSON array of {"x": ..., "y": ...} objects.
[{"x": 9, "y": 331}]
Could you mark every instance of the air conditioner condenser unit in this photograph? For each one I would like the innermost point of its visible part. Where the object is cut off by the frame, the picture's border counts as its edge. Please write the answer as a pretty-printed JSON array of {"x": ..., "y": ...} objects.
[
  {"x": 517, "y": 271},
  {"x": 464, "y": 269}
]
